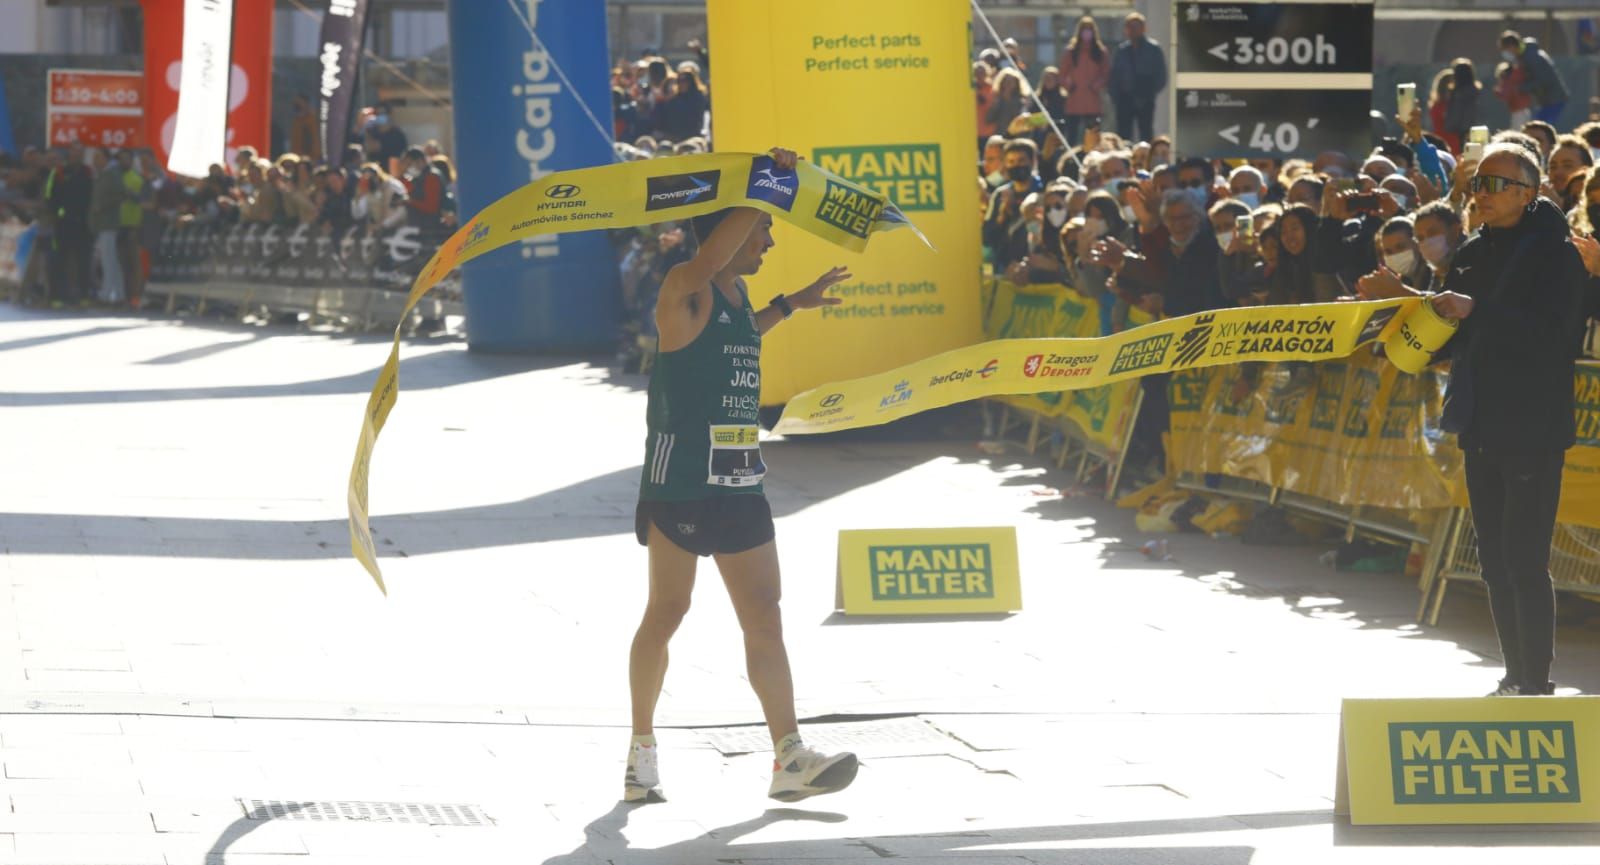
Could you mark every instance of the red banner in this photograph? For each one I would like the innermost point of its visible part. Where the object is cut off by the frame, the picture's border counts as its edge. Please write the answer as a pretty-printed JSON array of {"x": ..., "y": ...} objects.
[{"x": 250, "y": 87}]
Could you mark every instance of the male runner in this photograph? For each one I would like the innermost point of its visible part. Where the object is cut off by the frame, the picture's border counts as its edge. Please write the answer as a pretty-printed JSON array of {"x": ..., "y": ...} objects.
[{"x": 701, "y": 493}]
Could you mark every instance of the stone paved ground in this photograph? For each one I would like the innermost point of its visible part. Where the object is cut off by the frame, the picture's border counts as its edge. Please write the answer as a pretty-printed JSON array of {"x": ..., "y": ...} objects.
[{"x": 183, "y": 635}]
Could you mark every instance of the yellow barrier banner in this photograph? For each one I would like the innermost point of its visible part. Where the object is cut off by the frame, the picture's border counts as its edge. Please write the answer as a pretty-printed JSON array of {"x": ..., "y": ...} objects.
[
  {"x": 1099, "y": 414},
  {"x": 1580, "y": 480},
  {"x": 921, "y": 571},
  {"x": 1482, "y": 761},
  {"x": 1355, "y": 431},
  {"x": 870, "y": 91},
  {"x": 817, "y": 201},
  {"x": 1038, "y": 365}
]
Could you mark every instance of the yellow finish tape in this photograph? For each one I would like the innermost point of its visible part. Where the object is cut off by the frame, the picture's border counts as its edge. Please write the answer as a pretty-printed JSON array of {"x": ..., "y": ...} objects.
[
  {"x": 1024, "y": 366},
  {"x": 619, "y": 196}
]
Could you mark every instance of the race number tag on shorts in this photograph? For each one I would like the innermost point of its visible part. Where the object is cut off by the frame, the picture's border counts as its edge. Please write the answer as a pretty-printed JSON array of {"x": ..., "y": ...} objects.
[{"x": 736, "y": 456}]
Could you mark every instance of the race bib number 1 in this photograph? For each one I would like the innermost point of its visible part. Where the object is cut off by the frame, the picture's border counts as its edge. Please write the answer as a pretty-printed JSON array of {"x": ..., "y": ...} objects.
[{"x": 736, "y": 457}]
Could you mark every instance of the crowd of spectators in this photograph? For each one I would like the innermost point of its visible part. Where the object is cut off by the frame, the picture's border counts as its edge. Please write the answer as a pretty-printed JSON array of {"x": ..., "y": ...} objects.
[
  {"x": 1132, "y": 223},
  {"x": 98, "y": 215}
]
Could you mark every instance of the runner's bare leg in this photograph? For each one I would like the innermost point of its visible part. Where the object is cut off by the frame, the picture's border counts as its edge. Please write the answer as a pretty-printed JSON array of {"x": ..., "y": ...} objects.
[
  {"x": 671, "y": 584},
  {"x": 755, "y": 588}
]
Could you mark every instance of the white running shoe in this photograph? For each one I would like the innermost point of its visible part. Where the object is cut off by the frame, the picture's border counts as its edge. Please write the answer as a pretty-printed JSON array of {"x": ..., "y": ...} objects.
[
  {"x": 1506, "y": 689},
  {"x": 804, "y": 773},
  {"x": 643, "y": 780}
]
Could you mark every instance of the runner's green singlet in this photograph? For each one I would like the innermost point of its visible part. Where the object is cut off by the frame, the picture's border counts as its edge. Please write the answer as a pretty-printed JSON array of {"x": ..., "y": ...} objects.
[{"x": 702, "y": 418}]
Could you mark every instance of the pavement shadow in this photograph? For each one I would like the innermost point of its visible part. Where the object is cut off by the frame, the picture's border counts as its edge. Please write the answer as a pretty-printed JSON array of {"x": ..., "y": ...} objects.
[
  {"x": 605, "y": 841},
  {"x": 49, "y": 338},
  {"x": 250, "y": 822},
  {"x": 422, "y": 372},
  {"x": 594, "y": 507},
  {"x": 1288, "y": 575}
]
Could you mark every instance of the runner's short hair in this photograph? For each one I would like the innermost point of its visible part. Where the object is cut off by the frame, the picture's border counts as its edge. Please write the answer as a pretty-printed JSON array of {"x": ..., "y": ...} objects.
[{"x": 705, "y": 223}]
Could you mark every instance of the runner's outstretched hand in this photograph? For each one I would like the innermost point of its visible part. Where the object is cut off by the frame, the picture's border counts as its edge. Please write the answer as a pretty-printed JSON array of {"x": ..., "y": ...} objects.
[{"x": 816, "y": 294}]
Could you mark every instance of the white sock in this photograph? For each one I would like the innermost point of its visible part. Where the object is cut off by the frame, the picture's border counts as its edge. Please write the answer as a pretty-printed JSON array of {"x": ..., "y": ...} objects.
[
  {"x": 786, "y": 744},
  {"x": 648, "y": 741}
]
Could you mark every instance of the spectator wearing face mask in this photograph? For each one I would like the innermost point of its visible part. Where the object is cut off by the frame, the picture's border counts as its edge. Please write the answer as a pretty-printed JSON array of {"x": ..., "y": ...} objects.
[
  {"x": 1194, "y": 178},
  {"x": 1402, "y": 190},
  {"x": 1138, "y": 75},
  {"x": 1541, "y": 80},
  {"x": 1246, "y": 185},
  {"x": 1005, "y": 205},
  {"x": 1349, "y": 220},
  {"x": 1103, "y": 220},
  {"x": 1437, "y": 232},
  {"x": 1044, "y": 262},
  {"x": 1085, "y": 71},
  {"x": 1176, "y": 274},
  {"x": 1397, "y": 249},
  {"x": 1568, "y": 159},
  {"x": 1240, "y": 270},
  {"x": 994, "y": 161}
]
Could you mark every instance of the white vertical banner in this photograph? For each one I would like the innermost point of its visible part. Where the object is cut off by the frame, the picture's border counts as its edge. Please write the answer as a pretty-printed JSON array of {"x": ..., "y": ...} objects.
[{"x": 201, "y": 136}]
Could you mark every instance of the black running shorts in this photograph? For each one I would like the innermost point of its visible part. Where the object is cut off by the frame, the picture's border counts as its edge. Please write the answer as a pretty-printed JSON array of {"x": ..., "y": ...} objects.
[{"x": 720, "y": 524}]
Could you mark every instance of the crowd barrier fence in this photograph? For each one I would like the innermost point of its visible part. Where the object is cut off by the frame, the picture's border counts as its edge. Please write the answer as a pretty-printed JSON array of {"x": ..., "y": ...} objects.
[{"x": 1354, "y": 442}]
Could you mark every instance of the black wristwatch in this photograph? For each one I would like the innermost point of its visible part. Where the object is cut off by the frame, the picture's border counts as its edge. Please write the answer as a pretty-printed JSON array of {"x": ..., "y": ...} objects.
[{"x": 783, "y": 305}]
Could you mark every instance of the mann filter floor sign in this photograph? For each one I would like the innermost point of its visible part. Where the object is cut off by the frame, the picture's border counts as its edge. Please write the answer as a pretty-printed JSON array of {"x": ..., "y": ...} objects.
[
  {"x": 922, "y": 571},
  {"x": 1487, "y": 760}
]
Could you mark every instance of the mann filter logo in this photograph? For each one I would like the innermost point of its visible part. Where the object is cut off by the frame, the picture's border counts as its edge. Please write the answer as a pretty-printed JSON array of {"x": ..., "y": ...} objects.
[
  {"x": 772, "y": 184},
  {"x": 1462, "y": 763},
  {"x": 1141, "y": 354},
  {"x": 849, "y": 209},
  {"x": 1192, "y": 345},
  {"x": 920, "y": 573},
  {"x": 679, "y": 190},
  {"x": 910, "y": 175}
]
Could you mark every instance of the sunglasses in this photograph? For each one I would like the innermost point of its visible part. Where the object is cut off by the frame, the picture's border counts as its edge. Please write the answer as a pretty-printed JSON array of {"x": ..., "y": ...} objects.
[{"x": 1493, "y": 184}]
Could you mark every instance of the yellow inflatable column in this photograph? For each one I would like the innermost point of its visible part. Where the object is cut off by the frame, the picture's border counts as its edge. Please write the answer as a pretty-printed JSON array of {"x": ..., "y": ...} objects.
[{"x": 880, "y": 93}]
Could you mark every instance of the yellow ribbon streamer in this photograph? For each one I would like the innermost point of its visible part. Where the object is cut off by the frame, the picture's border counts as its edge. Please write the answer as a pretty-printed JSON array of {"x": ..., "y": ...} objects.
[
  {"x": 619, "y": 196},
  {"x": 1023, "y": 366}
]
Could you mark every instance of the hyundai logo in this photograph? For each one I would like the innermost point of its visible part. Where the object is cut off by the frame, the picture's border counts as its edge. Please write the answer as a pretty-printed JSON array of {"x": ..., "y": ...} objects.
[
  {"x": 832, "y": 400},
  {"x": 562, "y": 190}
]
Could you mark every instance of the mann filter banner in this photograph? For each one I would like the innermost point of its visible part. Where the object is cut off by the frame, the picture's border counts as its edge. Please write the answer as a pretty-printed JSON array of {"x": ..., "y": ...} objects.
[
  {"x": 343, "y": 26},
  {"x": 865, "y": 90},
  {"x": 928, "y": 571},
  {"x": 1482, "y": 761},
  {"x": 1039, "y": 365},
  {"x": 618, "y": 196},
  {"x": 200, "y": 136}
]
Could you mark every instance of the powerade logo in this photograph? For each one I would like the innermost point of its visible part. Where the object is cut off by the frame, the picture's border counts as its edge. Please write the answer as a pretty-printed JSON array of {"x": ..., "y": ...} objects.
[
  {"x": 772, "y": 184},
  {"x": 679, "y": 190},
  {"x": 1141, "y": 354},
  {"x": 849, "y": 209},
  {"x": 1459, "y": 763},
  {"x": 921, "y": 573},
  {"x": 902, "y": 392}
]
